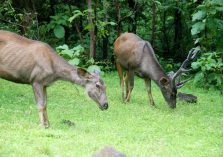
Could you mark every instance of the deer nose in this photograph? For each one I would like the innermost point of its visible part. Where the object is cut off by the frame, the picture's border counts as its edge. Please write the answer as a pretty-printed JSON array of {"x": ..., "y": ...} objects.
[{"x": 105, "y": 106}]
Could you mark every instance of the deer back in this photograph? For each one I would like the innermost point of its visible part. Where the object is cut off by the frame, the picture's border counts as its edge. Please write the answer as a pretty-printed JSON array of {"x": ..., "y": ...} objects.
[
  {"x": 23, "y": 60},
  {"x": 128, "y": 49}
]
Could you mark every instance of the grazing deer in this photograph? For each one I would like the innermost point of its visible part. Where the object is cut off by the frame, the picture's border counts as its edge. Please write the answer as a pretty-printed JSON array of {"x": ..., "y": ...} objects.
[
  {"x": 33, "y": 62},
  {"x": 136, "y": 55}
]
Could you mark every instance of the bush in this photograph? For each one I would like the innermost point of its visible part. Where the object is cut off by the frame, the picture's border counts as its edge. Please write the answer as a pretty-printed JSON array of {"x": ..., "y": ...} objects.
[
  {"x": 210, "y": 67},
  {"x": 76, "y": 57},
  {"x": 168, "y": 64}
]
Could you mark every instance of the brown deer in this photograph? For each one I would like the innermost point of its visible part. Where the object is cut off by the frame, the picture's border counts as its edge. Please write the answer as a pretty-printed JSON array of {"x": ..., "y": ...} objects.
[
  {"x": 33, "y": 62},
  {"x": 137, "y": 56}
]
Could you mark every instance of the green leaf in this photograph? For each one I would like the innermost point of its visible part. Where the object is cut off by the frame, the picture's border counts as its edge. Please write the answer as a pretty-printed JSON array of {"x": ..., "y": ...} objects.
[
  {"x": 92, "y": 68},
  {"x": 211, "y": 24},
  {"x": 219, "y": 23},
  {"x": 219, "y": 9},
  {"x": 112, "y": 23},
  {"x": 219, "y": 79},
  {"x": 212, "y": 11},
  {"x": 63, "y": 47},
  {"x": 197, "y": 40},
  {"x": 71, "y": 18},
  {"x": 90, "y": 61},
  {"x": 197, "y": 28},
  {"x": 218, "y": 2},
  {"x": 202, "y": 6},
  {"x": 74, "y": 61},
  {"x": 198, "y": 15},
  {"x": 79, "y": 47},
  {"x": 89, "y": 27},
  {"x": 157, "y": 2},
  {"x": 195, "y": 65},
  {"x": 76, "y": 13},
  {"x": 198, "y": 77},
  {"x": 69, "y": 53},
  {"x": 55, "y": 18},
  {"x": 59, "y": 31},
  {"x": 208, "y": 67},
  {"x": 169, "y": 66}
]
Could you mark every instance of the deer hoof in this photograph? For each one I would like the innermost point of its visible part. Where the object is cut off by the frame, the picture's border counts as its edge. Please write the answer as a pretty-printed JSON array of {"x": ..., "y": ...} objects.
[
  {"x": 126, "y": 100},
  {"x": 45, "y": 125},
  {"x": 152, "y": 105}
]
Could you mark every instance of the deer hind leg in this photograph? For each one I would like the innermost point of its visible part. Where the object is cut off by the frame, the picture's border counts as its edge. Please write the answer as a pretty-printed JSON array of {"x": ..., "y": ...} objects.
[
  {"x": 129, "y": 84},
  {"x": 148, "y": 88},
  {"x": 121, "y": 77},
  {"x": 126, "y": 81},
  {"x": 41, "y": 98}
]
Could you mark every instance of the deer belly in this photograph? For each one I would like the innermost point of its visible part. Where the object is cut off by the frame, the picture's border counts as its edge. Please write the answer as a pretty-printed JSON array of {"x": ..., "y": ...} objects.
[
  {"x": 15, "y": 66},
  {"x": 130, "y": 61},
  {"x": 12, "y": 75}
]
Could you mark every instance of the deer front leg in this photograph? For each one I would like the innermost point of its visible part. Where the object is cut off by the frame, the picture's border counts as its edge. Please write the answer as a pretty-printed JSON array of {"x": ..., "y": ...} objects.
[
  {"x": 130, "y": 84},
  {"x": 41, "y": 98},
  {"x": 148, "y": 88}
]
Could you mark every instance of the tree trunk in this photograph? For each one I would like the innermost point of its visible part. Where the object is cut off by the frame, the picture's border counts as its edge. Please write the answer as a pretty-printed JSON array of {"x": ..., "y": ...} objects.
[
  {"x": 75, "y": 26},
  {"x": 153, "y": 24},
  {"x": 95, "y": 27},
  {"x": 118, "y": 16},
  {"x": 27, "y": 12},
  {"x": 52, "y": 3},
  {"x": 91, "y": 21},
  {"x": 133, "y": 20},
  {"x": 178, "y": 32},
  {"x": 134, "y": 27},
  {"x": 165, "y": 44},
  {"x": 105, "y": 48},
  {"x": 105, "y": 39}
]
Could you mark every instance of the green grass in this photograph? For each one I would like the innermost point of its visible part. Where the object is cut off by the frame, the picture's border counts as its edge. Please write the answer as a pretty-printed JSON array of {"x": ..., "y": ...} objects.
[{"x": 138, "y": 130}]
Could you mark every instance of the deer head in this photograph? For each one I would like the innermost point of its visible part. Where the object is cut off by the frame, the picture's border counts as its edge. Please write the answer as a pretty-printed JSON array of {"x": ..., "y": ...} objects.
[
  {"x": 95, "y": 88},
  {"x": 169, "y": 92},
  {"x": 173, "y": 83}
]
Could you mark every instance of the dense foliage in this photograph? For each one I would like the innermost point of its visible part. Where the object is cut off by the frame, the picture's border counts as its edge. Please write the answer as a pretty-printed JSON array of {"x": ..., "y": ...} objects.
[
  {"x": 173, "y": 27},
  {"x": 208, "y": 31},
  {"x": 210, "y": 68}
]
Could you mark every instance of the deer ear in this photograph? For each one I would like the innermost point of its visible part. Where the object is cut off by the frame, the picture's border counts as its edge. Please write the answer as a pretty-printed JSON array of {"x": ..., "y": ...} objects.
[
  {"x": 97, "y": 72},
  {"x": 82, "y": 72},
  {"x": 164, "y": 81}
]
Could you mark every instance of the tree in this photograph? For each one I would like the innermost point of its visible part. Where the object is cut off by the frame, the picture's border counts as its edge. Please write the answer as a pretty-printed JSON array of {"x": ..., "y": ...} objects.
[
  {"x": 153, "y": 24},
  {"x": 91, "y": 20}
]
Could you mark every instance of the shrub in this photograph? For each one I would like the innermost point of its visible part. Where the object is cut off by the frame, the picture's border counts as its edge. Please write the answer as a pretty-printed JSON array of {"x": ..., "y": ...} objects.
[
  {"x": 210, "y": 67},
  {"x": 76, "y": 57}
]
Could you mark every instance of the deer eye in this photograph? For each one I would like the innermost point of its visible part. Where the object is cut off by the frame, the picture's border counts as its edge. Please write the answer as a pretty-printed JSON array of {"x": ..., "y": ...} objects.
[{"x": 97, "y": 85}]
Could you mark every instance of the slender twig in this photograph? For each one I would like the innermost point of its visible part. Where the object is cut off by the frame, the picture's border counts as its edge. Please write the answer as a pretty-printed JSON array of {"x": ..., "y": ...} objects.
[{"x": 11, "y": 22}]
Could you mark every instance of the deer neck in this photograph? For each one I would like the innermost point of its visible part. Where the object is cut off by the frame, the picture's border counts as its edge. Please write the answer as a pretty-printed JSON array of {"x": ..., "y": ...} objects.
[
  {"x": 152, "y": 69},
  {"x": 67, "y": 72}
]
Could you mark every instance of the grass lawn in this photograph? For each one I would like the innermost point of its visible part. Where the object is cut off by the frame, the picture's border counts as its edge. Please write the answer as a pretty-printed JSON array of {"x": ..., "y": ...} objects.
[{"x": 79, "y": 127}]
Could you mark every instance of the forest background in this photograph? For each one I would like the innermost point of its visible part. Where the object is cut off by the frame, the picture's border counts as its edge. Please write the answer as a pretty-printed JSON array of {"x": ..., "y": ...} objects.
[{"x": 83, "y": 32}]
